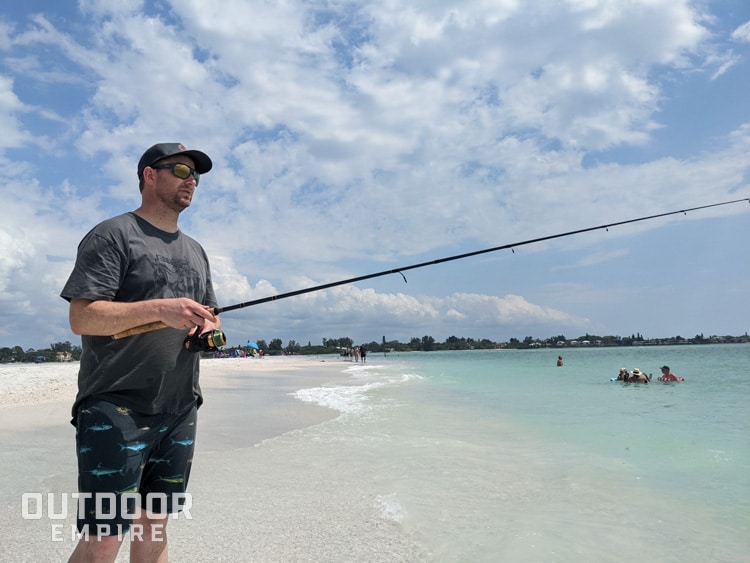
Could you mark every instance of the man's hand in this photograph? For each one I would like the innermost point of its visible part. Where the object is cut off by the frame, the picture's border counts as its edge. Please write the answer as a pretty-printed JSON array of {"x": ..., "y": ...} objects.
[{"x": 182, "y": 313}]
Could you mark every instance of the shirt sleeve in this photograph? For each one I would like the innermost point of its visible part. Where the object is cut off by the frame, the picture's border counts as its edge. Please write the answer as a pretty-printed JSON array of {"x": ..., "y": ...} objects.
[{"x": 98, "y": 271}]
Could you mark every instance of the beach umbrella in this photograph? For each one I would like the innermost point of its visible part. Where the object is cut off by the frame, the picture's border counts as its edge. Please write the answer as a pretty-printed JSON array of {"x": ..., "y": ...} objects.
[{"x": 253, "y": 345}]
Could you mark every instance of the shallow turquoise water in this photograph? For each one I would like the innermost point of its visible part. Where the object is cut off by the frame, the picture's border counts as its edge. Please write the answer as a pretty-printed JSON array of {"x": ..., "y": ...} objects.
[{"x": 501, "y": 455}]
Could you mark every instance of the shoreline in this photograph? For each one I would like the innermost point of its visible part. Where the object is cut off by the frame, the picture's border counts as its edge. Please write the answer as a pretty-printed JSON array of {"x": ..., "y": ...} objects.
[
  {"x": 23, "y": 384},
  {"x": 247, "y": 401}
]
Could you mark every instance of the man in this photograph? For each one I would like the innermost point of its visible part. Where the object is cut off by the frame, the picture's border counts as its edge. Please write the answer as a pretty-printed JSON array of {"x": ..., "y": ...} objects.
[
  {"x": 135, "y": 411},
  {"x": 667, "y": 375}
]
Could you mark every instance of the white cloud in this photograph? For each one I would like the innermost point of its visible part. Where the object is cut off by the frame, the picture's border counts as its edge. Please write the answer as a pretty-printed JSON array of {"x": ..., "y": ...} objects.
[
  {"x": 742, "y": 33},
  {"x": 14, "y": 134},
  {"x": 510, "y": 310}
]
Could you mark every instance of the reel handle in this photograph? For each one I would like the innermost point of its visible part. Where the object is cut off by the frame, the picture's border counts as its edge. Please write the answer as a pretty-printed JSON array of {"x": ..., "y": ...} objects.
[{"x": 206, "y": 342}]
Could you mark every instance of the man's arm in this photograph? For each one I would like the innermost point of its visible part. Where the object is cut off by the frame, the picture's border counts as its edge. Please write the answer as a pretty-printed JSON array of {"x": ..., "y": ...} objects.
[{"x": 105, "y": 318}]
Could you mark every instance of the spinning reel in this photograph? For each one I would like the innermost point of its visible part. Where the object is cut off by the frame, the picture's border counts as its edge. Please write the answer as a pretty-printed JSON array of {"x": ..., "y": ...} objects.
[{"x": 206, "y": 342}]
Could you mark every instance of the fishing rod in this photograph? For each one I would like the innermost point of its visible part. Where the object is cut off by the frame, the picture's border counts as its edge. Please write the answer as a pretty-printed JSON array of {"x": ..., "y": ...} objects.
[{"x": 217, "y": 310}]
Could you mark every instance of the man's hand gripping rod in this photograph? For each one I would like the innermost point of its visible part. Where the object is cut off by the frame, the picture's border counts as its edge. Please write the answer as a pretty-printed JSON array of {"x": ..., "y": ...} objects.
[{"x": 216, "y": 310}]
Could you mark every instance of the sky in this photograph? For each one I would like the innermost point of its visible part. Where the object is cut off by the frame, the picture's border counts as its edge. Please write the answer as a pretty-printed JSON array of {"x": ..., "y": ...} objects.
[{"x": 353, "y": 137}]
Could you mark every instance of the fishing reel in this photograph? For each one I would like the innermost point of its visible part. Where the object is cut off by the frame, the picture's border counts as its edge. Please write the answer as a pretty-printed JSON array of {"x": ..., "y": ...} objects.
[{"x": 207, "y": 342}]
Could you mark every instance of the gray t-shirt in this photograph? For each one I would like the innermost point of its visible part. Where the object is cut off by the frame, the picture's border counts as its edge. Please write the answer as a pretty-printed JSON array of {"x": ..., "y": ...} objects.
[{"x": 127, "y": 259}]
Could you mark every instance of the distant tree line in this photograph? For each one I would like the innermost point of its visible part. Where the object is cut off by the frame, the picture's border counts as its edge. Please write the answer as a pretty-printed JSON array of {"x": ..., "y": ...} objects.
[
  {"x": 429, "y": 344},
  {"x": 65, "y": 351},
  {"x": 336, "y": 345},
  {"x": 632, "y": 340},
  {"x": 57, "y": 352}
]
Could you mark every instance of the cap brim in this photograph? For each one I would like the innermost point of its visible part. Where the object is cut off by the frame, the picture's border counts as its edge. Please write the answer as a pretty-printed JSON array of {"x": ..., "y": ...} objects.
[{"x": 202, "y": 162}]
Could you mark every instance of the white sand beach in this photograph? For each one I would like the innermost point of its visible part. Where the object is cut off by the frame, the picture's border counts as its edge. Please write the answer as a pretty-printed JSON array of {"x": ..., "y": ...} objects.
[
  {"x": 247, "y": 401},
  {"x": 35, "y": 384}
]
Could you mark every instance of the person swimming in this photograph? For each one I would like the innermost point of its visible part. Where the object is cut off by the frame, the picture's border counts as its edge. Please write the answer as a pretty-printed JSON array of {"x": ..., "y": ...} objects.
[
  {"x": 638, "y": 377},
  {"x": 667, "y": 375}
]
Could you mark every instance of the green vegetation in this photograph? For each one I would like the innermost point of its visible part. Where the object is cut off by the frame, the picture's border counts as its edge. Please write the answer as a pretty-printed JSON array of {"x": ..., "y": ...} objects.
[
  {"x": 337, "y": 345},
  {"x": 428, "y": 344},
  {"x": 57, "y": 352}
]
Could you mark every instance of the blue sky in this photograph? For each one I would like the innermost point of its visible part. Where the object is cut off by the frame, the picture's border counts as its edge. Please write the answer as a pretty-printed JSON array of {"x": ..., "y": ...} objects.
[{"x": 353, "y": 137}]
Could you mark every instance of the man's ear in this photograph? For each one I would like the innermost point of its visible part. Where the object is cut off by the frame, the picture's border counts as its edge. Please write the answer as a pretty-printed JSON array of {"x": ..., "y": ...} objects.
[{"x": 149, "y": 175}]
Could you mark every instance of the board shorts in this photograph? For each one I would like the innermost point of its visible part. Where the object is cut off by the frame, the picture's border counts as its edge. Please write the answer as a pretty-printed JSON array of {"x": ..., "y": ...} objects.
[{"x": 130, "y": 463}]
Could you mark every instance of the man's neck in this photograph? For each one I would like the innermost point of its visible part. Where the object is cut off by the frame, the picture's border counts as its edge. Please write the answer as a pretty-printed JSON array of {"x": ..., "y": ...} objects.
[{"x": 163, "y": 219}]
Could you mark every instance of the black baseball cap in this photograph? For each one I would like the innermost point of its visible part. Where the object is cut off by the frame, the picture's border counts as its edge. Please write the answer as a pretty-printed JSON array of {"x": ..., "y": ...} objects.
[{"x": 162, "y": 150}]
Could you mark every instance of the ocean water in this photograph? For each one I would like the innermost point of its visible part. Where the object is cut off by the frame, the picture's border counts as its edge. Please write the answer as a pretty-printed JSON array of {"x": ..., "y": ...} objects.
[{"x": 502, "y": 456}]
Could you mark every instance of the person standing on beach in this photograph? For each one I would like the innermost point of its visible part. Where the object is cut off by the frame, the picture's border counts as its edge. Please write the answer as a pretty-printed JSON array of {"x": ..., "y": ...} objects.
[
  {"x": 363, "y": 353},
  {"x": 135, "y": 411}
]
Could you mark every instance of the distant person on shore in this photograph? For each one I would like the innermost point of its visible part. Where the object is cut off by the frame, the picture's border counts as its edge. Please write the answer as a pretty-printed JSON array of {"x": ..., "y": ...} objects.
[
  {"x": 363, "y": 353},
  {"x": 667, "y": 375},
  {"x": 559, "y": 361}
]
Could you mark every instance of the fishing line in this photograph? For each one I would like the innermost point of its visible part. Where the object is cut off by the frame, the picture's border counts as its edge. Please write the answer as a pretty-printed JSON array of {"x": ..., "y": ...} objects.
[{"x": 217, "y": 310}]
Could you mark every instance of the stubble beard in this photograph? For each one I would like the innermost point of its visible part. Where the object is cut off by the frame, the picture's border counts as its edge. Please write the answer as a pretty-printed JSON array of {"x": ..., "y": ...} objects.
[{"x": 177, "y": 202}]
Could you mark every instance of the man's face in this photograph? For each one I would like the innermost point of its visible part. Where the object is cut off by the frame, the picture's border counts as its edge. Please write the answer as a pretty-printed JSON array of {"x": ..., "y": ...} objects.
[{"x": 174, "y": 192}]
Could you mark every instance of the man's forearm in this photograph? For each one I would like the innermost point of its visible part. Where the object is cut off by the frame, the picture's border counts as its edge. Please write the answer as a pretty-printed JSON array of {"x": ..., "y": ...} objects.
[{"x": 104, "y": 318}]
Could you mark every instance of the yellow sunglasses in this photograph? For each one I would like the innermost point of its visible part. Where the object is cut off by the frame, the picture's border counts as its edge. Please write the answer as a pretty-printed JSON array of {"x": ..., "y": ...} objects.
[{"x": 180, "y": 170}]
